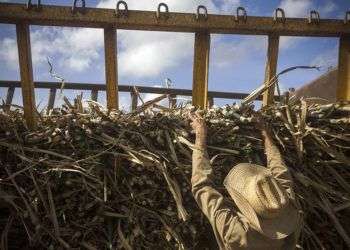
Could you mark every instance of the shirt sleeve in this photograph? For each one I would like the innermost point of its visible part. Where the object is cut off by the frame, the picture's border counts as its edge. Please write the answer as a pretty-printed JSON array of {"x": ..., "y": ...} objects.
[
  {"x": 227, "y": 227},
  {"x": 207, "y": 197},
  {"x": 282, "y": 174},
  {"x": 278, "y": 167}
]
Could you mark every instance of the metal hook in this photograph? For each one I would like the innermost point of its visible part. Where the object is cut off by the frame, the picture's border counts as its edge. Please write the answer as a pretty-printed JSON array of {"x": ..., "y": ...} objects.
[
  {"x": 166, "y": 13},
  {"x": 314, "y": 17},
  {"x": 121, "y": 12},
  {"x": 347, "y": 17},
  {"x": 205, "y": 14},
  {"x": 74, "y": 7},
  {"x": 281, "y": 19},
  {"x": 243, "y": 16},
  {"x": 30, "y": 5}
]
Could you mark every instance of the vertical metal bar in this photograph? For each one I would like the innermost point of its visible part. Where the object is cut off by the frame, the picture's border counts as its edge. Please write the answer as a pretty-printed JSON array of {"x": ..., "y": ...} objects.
[
  {"x": 134, "y": 100},
  {"x": 52, "y": 97},
  {"x": 110, "y": 40},
  {"x": 172, "y": 101},
  {"x": 94, "y": 95},
  {"x": 343, "y": 88},
  {"x": 271, "y": 67},
  {"x": 210, "y": 101},
  {"x": 9, "y": 96},
  {"x": 200, "y": 69},
  {"x": 26, "y": 72}
]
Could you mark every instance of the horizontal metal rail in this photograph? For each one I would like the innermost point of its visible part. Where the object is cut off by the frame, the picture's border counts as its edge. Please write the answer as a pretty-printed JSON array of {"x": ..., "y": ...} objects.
[
  {"x": 175, "y": 22},
  {"x": 125, "y": 88}
]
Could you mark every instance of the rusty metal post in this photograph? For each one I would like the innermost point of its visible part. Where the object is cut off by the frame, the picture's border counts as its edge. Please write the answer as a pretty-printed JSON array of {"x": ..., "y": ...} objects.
[
  {"x": 9, "y": 97},
  {"x": 110, "y": 36},
  {"x": 271, "y": 67},
  {"x": 52, "y": 97},
  {"x": 200, "y": 69},
  {"x": 343, "y": 88},
  {"x": 94, "y": 95},
  {"x": 134, "y": 100},
  {"x": 26, "y": 72}
]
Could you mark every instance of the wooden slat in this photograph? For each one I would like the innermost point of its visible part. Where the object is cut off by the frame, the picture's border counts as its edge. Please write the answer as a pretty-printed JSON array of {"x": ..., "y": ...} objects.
[
  {"x": 94, "y": 95},
  {"x": 200, "y": 69},
  {"x": 127, "y": 88},
  {"x": 178, "y": 22},
  {"x": 343, "y": 88},
  {"x": 110, "y": 36},
  {"x": 52, "y": 97},
  {"x": 9, "y": 96},
  {"x": 271, "y": 67},
  {"x": 26, "y": 72},
  {"x": 134, "y": 100}
]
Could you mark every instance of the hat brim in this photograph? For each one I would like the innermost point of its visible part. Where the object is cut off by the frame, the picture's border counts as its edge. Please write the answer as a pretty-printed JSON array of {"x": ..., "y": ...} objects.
[{"x": 276, "y": 228}]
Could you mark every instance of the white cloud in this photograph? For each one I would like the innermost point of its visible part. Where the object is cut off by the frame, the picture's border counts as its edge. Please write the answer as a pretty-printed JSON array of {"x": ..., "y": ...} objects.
[
  {"x": 146, "y": 54},
  {"x": 327, "y": 59},
  {"x": 227, "y": 53},
  {"x": 296, "y": 8},
  {"x": 75, "y": 48},
  {"x": 9, "y": 52}
]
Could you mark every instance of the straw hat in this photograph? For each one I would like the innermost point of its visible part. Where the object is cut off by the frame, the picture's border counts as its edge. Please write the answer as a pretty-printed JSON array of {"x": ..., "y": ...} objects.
[{"x": 262, "y": 200}]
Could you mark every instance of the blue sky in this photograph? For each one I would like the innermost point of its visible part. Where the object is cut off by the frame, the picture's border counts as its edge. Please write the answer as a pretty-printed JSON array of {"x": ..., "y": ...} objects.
[{"x": 237, "y": 62}]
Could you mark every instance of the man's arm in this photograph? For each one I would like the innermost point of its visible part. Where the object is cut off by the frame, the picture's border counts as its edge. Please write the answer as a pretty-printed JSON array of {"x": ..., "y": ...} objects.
[
  {"x": 227, "y": 227},
  {"x": 276, "y": 163},
  {"x": 281, "y": 172},
  {"x": 207, "y": 197}
]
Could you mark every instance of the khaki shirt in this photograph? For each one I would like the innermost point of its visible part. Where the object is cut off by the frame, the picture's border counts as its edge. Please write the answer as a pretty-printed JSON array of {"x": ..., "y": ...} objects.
[{"x": 231, "y": 228}]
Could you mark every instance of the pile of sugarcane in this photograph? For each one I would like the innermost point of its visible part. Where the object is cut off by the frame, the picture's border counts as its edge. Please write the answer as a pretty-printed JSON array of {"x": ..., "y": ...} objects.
[{"x": 87, "y": 178}]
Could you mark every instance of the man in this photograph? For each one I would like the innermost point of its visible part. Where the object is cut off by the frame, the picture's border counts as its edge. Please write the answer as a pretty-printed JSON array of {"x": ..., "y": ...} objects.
[{"x": 267, "y": 215}]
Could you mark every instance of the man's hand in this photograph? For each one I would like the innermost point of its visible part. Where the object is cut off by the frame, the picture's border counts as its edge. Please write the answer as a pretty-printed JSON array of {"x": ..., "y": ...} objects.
[
  {"x": 200, "y": 128},
  {"x": 198, "y": 123},
  {"x": 266, "y": 131},
  {"x": 260, "y": 121},
  {"x": 262, "y": 125}
]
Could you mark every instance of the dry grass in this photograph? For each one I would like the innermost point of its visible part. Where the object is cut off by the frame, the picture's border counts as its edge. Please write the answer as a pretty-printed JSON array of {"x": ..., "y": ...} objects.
[{"x": 90, "y": 179}]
